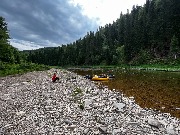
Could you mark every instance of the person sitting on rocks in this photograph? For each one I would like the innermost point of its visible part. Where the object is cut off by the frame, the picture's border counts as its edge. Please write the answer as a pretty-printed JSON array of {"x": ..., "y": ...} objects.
[{"x": 54, "y": 78}]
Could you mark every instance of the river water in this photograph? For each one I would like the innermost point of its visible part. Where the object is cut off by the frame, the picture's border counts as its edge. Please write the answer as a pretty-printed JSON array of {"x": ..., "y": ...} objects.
[{"x": 158, "y": 90}]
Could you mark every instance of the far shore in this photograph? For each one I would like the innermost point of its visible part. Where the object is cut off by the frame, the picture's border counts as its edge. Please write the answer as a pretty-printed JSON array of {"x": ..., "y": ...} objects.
[{"x": 166, "y": 68}]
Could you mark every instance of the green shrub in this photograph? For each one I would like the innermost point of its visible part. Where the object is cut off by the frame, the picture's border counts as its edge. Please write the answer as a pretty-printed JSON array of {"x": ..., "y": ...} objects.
[{"x": 10, "y": 69}]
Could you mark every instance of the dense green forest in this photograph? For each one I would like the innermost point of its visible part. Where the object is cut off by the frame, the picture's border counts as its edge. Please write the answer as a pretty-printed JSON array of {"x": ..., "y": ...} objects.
[
  {"x": 12, "y": 61},
  {"x": 146, "y": 35}
]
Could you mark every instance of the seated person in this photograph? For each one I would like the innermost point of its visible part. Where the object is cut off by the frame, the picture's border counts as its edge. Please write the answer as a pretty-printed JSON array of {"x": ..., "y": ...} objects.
[{"x": 54, "y": 78}]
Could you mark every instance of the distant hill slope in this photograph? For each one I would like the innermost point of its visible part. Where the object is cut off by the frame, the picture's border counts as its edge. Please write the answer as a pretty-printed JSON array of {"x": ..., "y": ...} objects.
[{"x": 146, "y": 35}]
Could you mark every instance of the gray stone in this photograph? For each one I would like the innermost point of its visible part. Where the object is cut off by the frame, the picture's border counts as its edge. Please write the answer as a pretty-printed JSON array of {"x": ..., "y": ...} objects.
[
  {"x": 102, "y": 129},
  {"x": 170, "y": 130},
  {"x": 116, "y": 131},
  {"x": 67, "y": 121},
  {"x": 87, "y": 102},
  {"x": 154, "y": 122},
  {"x": 119, "y": 106},
  {"x": 71, "y": 127},
  {"x": 86, "y": 130}
]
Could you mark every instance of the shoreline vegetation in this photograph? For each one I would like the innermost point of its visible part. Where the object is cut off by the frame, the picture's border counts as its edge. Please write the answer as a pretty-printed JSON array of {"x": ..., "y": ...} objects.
[
  {"x": 13, "y": 69},
  {"x": 16, "y": 69},
  {"x": 155, "y": 67}
]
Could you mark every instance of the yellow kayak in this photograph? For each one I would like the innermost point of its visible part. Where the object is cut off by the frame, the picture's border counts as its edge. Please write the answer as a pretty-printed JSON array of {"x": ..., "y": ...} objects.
[{"x": 96, "y": 78}]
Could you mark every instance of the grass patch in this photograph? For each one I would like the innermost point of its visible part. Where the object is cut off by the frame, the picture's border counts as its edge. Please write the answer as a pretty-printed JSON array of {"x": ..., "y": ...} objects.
[
  {"x": 77, "y": 91},
  {"x": 12, "y": 69}
]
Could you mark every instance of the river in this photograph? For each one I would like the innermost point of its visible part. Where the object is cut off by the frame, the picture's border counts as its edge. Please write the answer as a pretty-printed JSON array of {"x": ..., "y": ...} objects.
[{"x": 158, "y": 90}]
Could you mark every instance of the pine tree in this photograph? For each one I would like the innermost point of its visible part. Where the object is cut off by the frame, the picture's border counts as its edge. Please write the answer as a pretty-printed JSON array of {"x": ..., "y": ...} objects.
[{"x": 174, "y": 49}]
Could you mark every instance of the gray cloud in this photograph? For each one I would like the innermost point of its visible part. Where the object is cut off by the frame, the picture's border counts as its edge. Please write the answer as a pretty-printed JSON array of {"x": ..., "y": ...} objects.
[{"x": 45, "y": 22}]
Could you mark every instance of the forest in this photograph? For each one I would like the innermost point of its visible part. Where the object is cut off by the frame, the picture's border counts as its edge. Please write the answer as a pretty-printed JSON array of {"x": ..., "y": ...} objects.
[{"x": 148, "y": 34}]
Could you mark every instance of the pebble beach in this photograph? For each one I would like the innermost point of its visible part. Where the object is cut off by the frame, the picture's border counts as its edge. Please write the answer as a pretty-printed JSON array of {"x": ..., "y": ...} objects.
[{"x": 31, "y": 104}]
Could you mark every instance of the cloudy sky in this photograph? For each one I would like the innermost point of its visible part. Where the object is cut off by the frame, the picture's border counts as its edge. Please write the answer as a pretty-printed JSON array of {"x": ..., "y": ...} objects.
[{"x": 36, "y": 24}]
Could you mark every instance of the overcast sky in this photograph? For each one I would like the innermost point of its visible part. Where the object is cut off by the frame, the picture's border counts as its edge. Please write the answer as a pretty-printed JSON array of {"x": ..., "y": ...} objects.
[{"x": 36, "y": 24}]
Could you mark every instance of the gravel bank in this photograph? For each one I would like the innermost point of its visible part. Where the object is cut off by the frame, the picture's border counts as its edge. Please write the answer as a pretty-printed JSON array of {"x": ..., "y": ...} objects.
[{"x": 32, "y": 104}]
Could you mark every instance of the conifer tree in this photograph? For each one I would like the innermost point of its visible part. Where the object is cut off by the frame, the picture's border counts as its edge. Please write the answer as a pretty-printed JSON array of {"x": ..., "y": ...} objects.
[{"x": 174, "y": 49}]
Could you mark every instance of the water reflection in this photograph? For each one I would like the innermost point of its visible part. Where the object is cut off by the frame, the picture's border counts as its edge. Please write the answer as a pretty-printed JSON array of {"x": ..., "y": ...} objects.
[{"x": 151, "y": 89}]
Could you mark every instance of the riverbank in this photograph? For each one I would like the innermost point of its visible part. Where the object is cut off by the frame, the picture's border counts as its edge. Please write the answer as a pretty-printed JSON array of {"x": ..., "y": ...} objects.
[{"x": 32, "y": 104}]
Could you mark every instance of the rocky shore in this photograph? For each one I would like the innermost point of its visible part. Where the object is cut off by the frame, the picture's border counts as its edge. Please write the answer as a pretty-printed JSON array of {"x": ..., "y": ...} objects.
[{"x": 32, "y": 104}]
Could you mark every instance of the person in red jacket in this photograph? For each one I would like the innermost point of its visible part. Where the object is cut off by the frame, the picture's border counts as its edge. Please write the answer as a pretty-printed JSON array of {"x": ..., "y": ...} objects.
[{"x": 54, "y": 78}]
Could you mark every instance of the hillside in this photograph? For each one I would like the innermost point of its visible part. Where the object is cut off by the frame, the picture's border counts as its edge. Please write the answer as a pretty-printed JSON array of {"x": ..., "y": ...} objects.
[{"x": 146, "y": 35}]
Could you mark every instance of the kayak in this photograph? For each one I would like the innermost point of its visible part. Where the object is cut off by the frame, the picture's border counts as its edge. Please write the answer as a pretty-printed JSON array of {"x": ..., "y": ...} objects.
[{"x": 96, "y": 78}]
